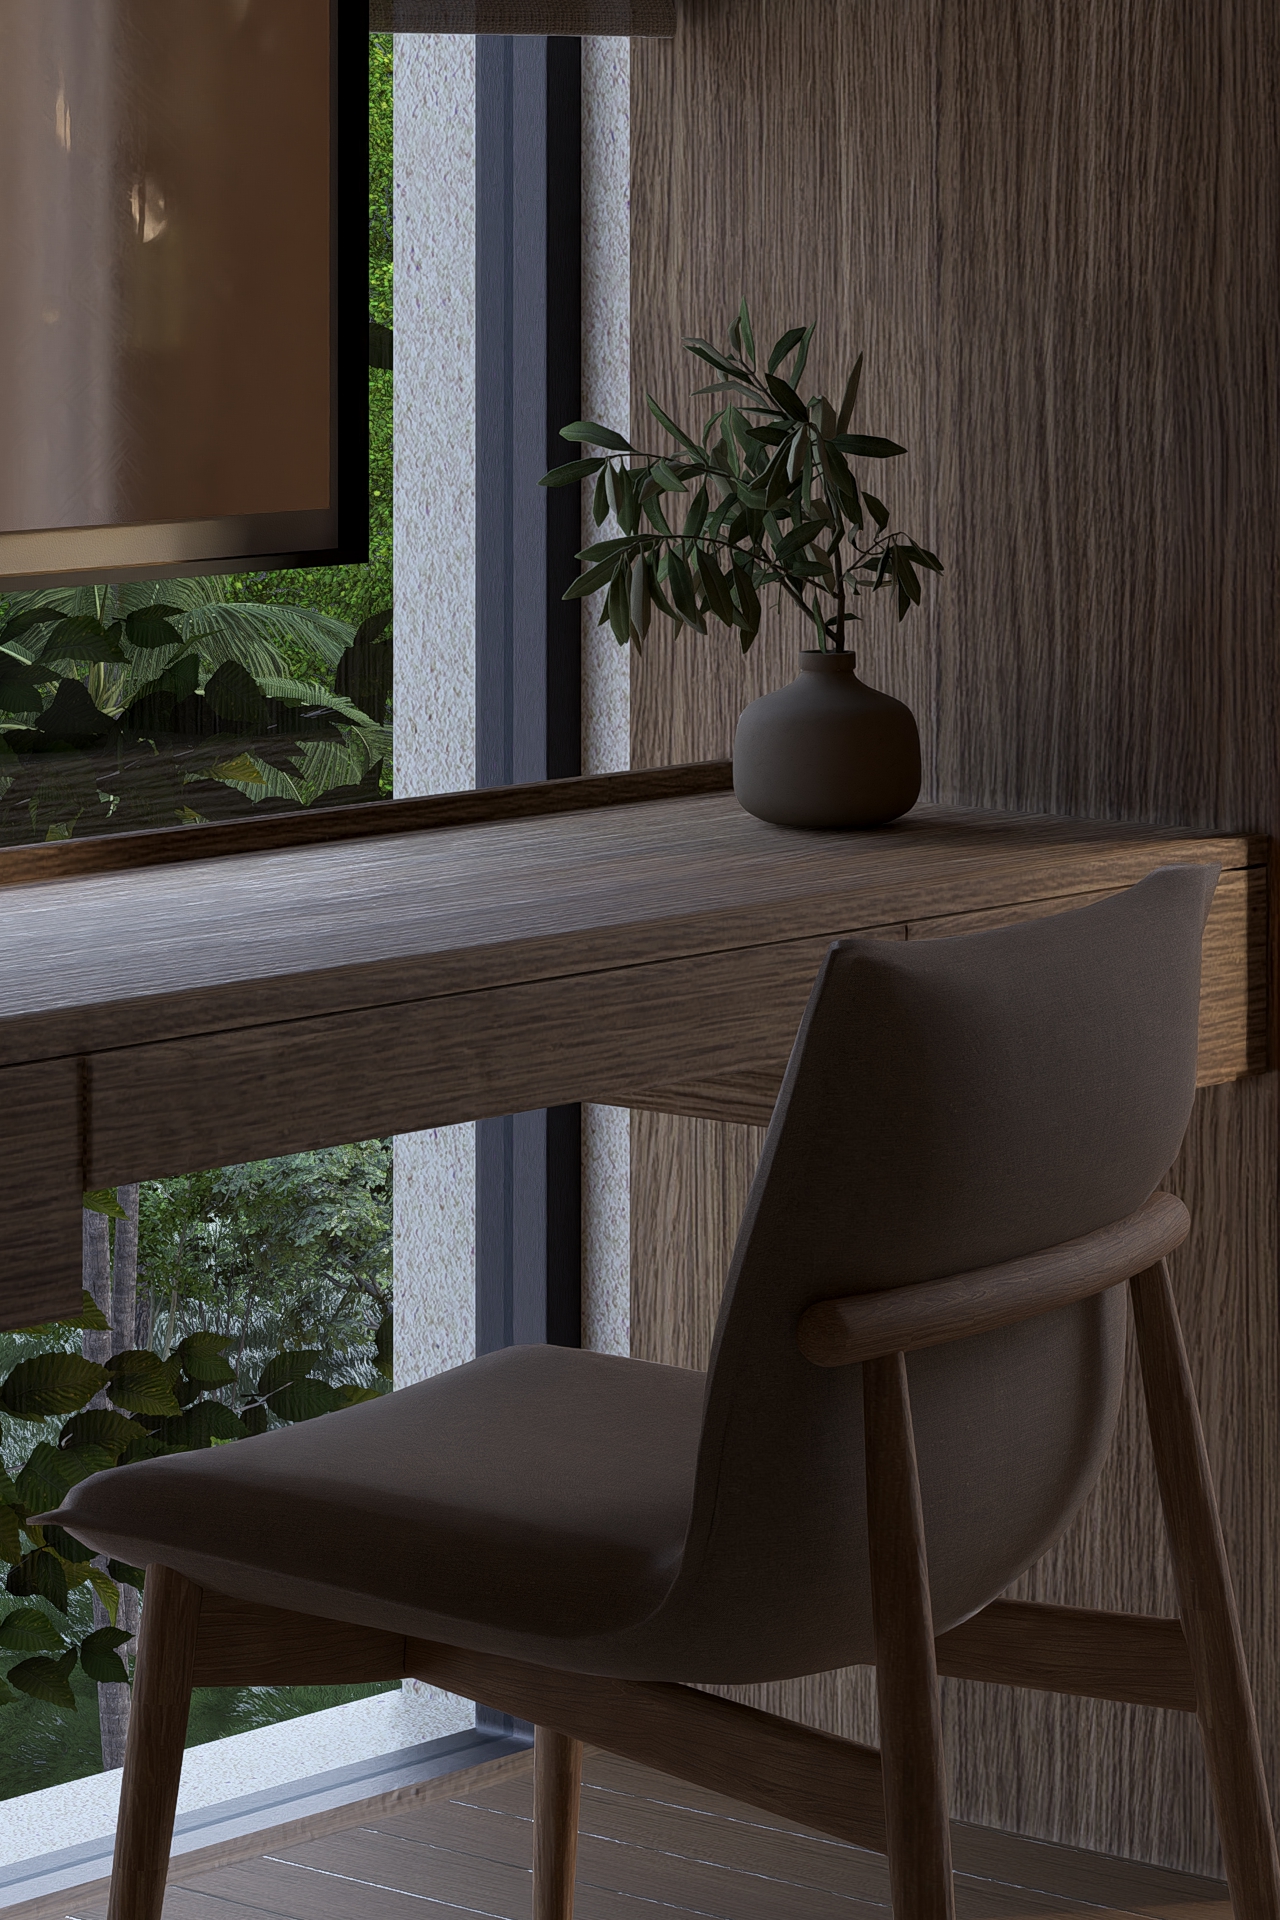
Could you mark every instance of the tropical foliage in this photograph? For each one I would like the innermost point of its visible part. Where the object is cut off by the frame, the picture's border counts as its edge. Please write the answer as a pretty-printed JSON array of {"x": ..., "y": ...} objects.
[
  {"x": 774, "y": 503},
  {"x": 152, "y": 704},
  {"x": 300, "y": 1245}
]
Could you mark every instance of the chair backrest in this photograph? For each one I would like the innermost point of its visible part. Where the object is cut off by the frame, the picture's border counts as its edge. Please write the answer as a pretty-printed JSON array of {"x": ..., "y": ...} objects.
[{"x": 948, "y": 1104}]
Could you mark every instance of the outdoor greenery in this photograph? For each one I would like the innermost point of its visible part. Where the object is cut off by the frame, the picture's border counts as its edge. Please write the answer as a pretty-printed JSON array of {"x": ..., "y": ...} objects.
[
  {"x": 149, "y": 705},
  {"x": 223, "y": 1303},
  {"x": 157, "y": 704},
  {"x": 775, "y": 503},
  {"x": 261, "y": 1296}
]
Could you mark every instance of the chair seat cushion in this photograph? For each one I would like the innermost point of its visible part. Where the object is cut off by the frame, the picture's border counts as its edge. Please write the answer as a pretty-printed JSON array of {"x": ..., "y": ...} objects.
[{"x": 537, "y": 1492}]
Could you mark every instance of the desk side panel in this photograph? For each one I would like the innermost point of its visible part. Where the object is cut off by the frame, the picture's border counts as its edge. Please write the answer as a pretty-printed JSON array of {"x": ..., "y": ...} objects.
[
  {"x": 40, "y": 1211},
  {"x": 609, "y": 1037}
]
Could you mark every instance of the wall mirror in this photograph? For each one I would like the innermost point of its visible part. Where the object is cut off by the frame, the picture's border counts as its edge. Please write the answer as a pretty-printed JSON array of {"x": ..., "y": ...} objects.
[{"x": 183, "y": 310}]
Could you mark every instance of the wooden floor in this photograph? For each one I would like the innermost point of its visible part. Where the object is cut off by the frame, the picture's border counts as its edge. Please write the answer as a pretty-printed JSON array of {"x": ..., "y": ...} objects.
[{"x": 650, "y": 1846}]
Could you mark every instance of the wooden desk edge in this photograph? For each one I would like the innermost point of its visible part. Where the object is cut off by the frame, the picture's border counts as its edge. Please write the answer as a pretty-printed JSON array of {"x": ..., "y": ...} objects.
[{"x": 326, "y": 826}]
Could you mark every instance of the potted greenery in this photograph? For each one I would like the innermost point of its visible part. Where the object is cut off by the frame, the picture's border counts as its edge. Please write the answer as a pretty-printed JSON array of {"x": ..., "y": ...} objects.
[{"x": 768, "y": 499}]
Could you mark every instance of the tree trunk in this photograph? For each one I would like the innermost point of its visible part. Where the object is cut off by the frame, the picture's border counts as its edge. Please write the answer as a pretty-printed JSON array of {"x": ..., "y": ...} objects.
[
  {"x": 113, "y": 1695},
  {"x": 124, "y": 1273},
  {"x": 96, "y": 1277}
]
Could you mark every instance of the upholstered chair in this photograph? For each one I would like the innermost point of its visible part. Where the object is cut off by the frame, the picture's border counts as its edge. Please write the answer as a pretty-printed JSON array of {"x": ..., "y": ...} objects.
[{"x": 914, "y": 1381}]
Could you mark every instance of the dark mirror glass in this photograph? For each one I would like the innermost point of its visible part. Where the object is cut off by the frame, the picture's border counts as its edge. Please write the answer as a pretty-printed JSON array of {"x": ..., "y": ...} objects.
[{"x": 180, "y": 387}]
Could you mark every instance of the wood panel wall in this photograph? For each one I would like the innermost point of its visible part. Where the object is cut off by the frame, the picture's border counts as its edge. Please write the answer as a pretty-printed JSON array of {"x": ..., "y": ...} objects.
[{"x": 1053, "y": 225}]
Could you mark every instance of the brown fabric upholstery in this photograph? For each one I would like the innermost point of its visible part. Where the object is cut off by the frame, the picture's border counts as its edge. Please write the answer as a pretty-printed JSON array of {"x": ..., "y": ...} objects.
[{"x": 949, "y": 1104}]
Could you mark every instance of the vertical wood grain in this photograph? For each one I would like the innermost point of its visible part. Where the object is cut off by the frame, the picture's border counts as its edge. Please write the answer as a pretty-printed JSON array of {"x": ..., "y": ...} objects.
[
  {"x": 42, "y": 1142},
  {"x": 1056, "y": 230},
  {"x": 917, "y": 1820},
  {"x": 153, "y": 1757}
]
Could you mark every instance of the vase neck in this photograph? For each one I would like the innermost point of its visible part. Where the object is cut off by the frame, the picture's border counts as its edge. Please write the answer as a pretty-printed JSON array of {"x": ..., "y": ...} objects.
[{"x": 813, "y": 661}]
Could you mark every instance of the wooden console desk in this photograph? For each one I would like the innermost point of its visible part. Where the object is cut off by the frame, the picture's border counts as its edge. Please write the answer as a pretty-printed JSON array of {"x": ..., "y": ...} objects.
[{"x": 213, "y": 995}]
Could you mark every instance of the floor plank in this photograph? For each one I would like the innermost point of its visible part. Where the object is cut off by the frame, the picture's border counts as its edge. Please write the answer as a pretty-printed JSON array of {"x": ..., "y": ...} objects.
[{"x": 651, "y": 1848}]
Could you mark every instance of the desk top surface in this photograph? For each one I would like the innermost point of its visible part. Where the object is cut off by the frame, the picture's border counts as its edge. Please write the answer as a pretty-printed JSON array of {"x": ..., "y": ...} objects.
[{"x": 119, "y": 958}]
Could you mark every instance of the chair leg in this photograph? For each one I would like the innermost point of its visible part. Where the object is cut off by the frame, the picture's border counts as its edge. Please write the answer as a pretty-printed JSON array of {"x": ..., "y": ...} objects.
[
  {"x": 557, "y": 1787},
  {"x": 915, "y": 1776},
  {"x": 153, "y": 1755},
  {"x": 1207, "y": 1603}
]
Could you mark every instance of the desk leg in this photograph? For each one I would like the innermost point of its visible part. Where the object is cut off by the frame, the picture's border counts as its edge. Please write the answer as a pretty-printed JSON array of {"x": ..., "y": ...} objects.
[{"x": 42, "y": 1150}]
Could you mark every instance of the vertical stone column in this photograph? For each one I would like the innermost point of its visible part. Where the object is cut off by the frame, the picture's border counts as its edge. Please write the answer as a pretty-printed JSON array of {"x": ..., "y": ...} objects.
[{"x": 606, "y": 681}]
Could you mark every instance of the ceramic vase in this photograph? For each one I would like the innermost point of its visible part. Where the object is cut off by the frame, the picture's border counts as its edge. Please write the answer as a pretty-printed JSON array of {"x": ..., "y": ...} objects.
[{"x": 827, "y": 751}]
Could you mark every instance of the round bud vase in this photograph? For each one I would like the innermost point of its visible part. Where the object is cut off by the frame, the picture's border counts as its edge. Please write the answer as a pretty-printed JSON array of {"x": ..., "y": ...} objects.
[{"x": 827, "y": 751}]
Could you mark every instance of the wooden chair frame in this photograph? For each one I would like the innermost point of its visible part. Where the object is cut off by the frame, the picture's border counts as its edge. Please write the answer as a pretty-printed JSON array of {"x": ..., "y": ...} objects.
[{"x": 894, "y": 1801}]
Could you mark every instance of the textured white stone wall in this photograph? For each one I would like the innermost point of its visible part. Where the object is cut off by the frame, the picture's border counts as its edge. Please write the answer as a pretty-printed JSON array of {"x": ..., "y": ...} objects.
[
  {"x": 606, "y": 363},
  {"x": 435, "y": 744},
  {"x": 606, "y": 668}
]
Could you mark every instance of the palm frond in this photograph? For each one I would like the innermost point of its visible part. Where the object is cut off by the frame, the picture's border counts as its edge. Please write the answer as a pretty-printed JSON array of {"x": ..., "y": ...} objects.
[{"x": 326, "y": 635}]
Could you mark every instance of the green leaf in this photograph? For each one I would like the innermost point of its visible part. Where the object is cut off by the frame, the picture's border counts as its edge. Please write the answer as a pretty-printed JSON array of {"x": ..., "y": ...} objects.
[
  {"x": 651, "y": 502},
  {"x": 618, "y": 607},
  {"x": 384, "y": 1346},
  {"x": 103, "y": 1200},
  {"x": 669, "y": 481},
  {"x": 850, "y": 400},
  {"x": 127, "y": 1576},
  {"x": 744, "y": 332},
  {"x": 745, "y": 594},
  {"x": 82, "y": 639},
  {"x": 203, "y": 1423},
  {"x": 304, "y": 1400},
  {"x": 90, "y": 1315},
  {"x": 787, "y": 397},
  {"x": 878, "y": 510},
  {"x": 570, "y": 473},
  {"x": 715, "y": 587},
  {"x": 696, "y": 518},
  {"x": 353, "y": 1396},
  {"x": 39, "y": 1573},
  {"x": 677, "y": 433},
  {"x": 20, "y": 685},
  {"x": 204, "y": 1359},
  {"x": 107, "y": 1591},
  {"x": 149, "y": 628},
  {"x": 680, "y": 581},
  {"x": 73, "y": 1552},
  {"x": 76, "y": 1571},
  {"x": 705, "y": 351},
  {"x": 591, "y": 434},
  {"x": 138, "y": 1383},
  {"x": 802, "y": 356},
  {"x": 287, "y": 1367},
  {"x": 51, "y": 1472},
  {"x": 101, "y": 1427},
  {"x": 869, "y": 445},
  {"x": 98, "y": 1654},
  {"x": 10, "y": 1534},
  {"x": 50, "y": 1383},
  {"x": 256, "y": 1420},
  {"x": 29, "y": 617},
  {"x": 27, "y": 1630},
  {"x": 47, "y": 1680},
  {"x": 791, "y": 338}
]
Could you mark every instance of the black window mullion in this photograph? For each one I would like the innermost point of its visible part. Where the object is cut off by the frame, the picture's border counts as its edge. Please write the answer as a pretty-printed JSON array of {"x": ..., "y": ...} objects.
[{"x": 528, "y": 649}]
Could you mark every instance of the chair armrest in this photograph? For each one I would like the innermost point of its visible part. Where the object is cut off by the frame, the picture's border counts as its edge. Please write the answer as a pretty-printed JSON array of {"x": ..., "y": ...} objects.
[{"x": 862, "y": 1326}]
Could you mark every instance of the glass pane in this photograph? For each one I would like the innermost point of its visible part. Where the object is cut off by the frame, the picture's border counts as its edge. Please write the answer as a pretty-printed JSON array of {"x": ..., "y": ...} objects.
[
  {"x": 245, "y": 1298},
  {"x": 165, "y": 703}
]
